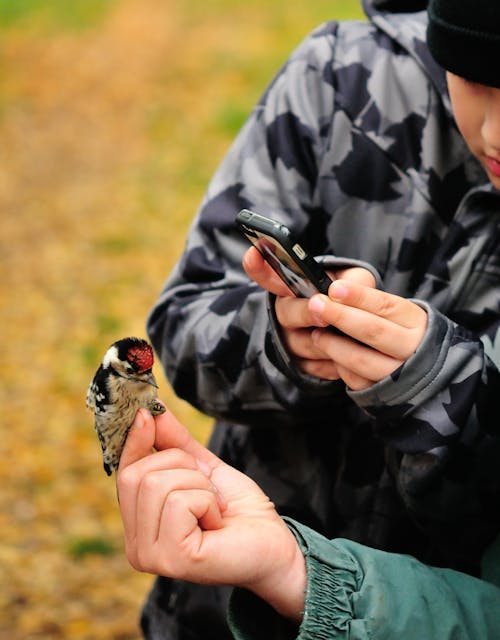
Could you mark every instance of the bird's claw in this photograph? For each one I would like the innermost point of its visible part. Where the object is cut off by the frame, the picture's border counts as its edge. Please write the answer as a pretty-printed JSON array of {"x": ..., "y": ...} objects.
[{"x": 156, "y": 408}]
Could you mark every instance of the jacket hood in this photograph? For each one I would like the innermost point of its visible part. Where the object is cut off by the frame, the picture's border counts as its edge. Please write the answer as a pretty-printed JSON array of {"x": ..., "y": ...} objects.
[{"x": 392, "y": 17}]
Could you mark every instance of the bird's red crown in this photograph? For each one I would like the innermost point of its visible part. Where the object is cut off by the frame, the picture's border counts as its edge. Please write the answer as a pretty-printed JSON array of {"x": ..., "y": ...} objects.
[{"x": 141, "y": 357}]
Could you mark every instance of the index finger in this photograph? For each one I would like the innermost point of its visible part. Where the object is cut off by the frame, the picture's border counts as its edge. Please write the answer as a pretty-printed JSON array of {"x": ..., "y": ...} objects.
[
  {"x": 263, "y": 274},
  {"x": 140, "y": 439}
]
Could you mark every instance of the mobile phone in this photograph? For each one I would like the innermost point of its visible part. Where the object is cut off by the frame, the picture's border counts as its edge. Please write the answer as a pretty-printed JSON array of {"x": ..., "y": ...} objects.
[{"x": 299, "y": 271}]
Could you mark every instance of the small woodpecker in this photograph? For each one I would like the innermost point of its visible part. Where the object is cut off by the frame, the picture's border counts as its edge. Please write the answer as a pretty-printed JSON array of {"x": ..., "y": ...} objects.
[{"x": 123, "y": 384}]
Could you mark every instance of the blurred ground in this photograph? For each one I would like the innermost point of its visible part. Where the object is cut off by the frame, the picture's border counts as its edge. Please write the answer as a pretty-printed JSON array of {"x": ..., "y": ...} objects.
[{"x": 113, "y": 115}]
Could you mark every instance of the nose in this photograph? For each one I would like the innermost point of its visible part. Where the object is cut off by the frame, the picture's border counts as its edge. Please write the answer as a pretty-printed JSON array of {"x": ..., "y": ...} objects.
[{"x": 491, "y": 122}]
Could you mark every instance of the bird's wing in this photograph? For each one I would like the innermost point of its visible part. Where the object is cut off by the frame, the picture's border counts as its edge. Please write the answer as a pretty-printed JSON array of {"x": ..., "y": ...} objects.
[{"x": 90, "y": 400}]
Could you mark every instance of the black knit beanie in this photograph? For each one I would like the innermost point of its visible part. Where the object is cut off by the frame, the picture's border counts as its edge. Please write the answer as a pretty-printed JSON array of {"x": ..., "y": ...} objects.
[{"x": 464, "y": 38}]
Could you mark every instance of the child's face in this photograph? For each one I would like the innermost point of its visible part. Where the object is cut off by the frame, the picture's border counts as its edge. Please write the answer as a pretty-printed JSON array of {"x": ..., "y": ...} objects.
[{"x": 477, "y": 112}]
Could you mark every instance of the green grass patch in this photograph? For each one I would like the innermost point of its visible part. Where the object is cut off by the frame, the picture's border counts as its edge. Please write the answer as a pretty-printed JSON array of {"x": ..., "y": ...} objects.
[
  {"x": 53, "y": 14},
  {"x": 107, "y": 325},
  {"x": 231, "y": 117},
  {"x": 79, "y": 548}
]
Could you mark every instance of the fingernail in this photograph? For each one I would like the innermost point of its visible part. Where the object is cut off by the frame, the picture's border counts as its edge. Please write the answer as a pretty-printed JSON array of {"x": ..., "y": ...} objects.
[
  {"x": 338, "y": 290},
  {"x": 138, "y": 421}
]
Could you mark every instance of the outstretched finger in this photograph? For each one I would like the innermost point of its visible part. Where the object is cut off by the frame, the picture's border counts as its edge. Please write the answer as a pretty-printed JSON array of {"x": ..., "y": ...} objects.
[
  {"x": 140, "y": 439},
  {"x": 139, "y": 444}
]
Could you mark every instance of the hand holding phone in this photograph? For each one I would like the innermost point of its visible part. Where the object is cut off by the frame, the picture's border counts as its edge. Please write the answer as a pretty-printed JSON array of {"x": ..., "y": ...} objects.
[{"x": 275, "y": 242}]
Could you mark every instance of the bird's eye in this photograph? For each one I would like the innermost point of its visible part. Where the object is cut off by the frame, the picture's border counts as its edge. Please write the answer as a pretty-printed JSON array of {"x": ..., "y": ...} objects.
[{"x": 132, "y": 362}]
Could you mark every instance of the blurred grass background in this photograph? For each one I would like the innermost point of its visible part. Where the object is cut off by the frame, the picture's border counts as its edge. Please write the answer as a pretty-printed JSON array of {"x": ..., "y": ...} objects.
[{"x": 113, "y": 116}]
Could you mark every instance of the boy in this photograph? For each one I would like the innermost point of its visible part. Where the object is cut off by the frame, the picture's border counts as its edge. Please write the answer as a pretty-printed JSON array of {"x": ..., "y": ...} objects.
[{"x": 390, "y": 439}]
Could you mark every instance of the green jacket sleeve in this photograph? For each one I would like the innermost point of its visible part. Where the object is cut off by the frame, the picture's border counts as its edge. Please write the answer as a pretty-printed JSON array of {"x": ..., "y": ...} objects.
[{"x": 358, "y": 593}]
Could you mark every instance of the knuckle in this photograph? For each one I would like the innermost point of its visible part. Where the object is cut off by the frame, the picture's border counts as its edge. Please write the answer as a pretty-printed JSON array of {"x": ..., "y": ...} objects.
[
  {"x": 151, "y": 483},
  {"x": 176, "y": 502},
  {"x": 373, "y": 333},
  {"x": 132, "y": 556},
  {"x": 173, "y": 457},
  {"x": 386, "y": 306},
  {"x": 143, "y": 560},
  {"x": 126, "y": 479}
]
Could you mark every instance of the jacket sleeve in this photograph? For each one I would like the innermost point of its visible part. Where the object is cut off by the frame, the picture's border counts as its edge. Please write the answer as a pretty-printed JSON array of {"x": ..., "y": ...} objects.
[
  {"x": 439, "y": 412},
  {"x": 358, "y": 593},
  {"x": 210, "y": 324}
]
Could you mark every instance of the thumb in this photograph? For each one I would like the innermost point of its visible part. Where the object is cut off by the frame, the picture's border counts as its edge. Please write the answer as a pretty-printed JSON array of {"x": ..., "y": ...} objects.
[
  {"x": 170, "y": 433},
  {"x": 140, "y": 439}
]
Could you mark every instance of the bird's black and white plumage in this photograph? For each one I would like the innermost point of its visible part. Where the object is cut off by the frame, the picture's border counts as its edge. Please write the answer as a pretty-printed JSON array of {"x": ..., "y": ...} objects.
[{"x": 123, "y": 383}]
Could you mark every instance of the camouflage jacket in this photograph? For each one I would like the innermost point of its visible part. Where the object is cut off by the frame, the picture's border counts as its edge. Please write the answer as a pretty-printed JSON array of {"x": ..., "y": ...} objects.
[{"x": 354, "y": 146}]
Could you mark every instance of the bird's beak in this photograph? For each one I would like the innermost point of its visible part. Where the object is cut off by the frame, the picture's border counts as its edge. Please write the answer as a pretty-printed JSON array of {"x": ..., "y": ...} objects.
[{"x": 151, "y": 380}]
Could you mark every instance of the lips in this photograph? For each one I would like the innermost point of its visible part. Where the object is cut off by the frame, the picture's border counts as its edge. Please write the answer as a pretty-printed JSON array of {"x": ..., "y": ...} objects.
[{"x": 493, "y": 166}]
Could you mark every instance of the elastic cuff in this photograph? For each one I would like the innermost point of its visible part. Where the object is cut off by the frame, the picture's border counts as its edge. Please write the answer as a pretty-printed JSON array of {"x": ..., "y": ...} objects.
[
  {"x": 332, "y": 579},
  {"x": 333, "y": 263}
]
